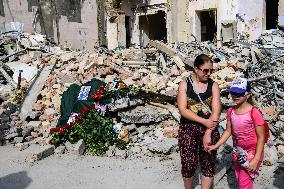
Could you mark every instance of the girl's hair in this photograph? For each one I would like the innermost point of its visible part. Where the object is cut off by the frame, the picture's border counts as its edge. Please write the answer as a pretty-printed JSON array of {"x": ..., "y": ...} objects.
[
  {"x": 201, "y": 59},
  {"x": 250, "y": 100}
]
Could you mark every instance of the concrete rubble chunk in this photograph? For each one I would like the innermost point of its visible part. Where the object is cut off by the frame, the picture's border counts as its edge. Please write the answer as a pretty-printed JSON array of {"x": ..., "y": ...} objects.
[
  {"x": 123, "y": 103},
  {"x": 34, "y": 91},
  {"x": 270, "y": 155},
  {"x": 22, "y": 146},
  {"x": 14, "y": 132},
  {"x": 34, "y": 115},
  {"x": 18, "y": 139},
  {"x": 43, "y": 152},
  {"x": 69, "y": 146},
  {"x": 163, "y": 146},
  {"x": 120, "y": 153},
  {"x": 60, "y": 150},
  {"x": 144, "y": 114},
  {"x": 280, "y": 149},
  {"x": 79, "y": 147},
  {"x": 27, "y": 131},
  {"x": 34, "y": 124}
]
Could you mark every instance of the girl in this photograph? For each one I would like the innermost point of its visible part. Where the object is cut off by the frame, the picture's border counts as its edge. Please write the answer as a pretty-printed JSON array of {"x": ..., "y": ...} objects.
[
  {"x": 197, "y": 123},
  {"x": 246, "y": 125}
]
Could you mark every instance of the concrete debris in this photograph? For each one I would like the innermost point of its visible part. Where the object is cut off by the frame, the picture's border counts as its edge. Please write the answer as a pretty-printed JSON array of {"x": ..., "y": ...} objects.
[
  {"x": 22, "y": 146},
  {"x": 151, "y": 117},
  {"x": 79, "y": 147},
  {"x": 60, "y": 150},
  {"x": 270, "y": 155},
  {"x": 43, "y": 152},
  {"x": 124, "y": 103},
  {"x": 144, "y": 114},
  {"x": 163, "y": 146}
]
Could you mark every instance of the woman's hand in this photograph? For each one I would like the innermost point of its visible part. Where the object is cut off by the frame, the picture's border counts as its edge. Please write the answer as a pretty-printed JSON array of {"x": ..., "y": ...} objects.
[
  {"x": 209, "y": 123},
  {"x": 252, "y": 165},
  {"x": 207, "y": 139}
]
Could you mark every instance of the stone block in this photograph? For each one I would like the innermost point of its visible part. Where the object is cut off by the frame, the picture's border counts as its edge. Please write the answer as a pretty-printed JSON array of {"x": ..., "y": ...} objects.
[
  {"x": 43, "y": 152},
  {"x": 79, "y": 147}
]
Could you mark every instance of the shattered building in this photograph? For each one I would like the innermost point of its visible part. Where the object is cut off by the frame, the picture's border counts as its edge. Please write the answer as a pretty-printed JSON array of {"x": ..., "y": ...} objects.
[{"x": 85, "y": 24}]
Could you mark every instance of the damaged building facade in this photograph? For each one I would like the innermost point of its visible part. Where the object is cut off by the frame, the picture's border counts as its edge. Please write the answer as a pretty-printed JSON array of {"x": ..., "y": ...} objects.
[{"x": 85, "y": 24}]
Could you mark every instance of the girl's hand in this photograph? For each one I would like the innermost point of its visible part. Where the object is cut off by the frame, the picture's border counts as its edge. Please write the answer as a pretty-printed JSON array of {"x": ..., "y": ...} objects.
[
  {"x": 207, "y": 139},
  {"x": 212, "y": 148},
  {"x": 252, "y": 165}
]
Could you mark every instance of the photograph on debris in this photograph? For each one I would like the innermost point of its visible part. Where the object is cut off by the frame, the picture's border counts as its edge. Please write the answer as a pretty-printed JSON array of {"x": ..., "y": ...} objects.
[{"x": 141, "y": 93}]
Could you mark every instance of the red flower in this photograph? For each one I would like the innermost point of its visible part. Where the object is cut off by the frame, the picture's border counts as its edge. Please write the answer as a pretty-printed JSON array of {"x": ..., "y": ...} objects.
[
  {"x": 54, "y": 130},
  {"x": 61, "y": 131},
  {"x": 84, "y": 110}
]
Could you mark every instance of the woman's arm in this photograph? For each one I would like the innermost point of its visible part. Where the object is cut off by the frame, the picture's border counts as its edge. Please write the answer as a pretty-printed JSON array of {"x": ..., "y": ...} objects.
[
  {"x": 184, "y": 111},
  {"x": 216, "y": 102},
  {"x": 216, "y": 111}
]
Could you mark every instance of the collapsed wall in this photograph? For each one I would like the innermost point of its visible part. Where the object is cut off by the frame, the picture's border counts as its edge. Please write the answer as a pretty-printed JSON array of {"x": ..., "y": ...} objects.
[{"x": 70, "y": 24}]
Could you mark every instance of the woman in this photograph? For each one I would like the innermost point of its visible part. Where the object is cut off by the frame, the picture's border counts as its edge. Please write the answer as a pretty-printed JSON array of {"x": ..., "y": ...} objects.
[{"x": 197, "y": 125}]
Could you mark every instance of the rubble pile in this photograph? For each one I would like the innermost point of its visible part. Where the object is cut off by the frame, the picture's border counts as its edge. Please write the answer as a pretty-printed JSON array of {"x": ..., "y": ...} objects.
[{"x": 150, "y": 120}]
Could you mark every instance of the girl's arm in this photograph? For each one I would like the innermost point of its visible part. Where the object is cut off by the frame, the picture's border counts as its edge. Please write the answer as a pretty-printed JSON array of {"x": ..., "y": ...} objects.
[
  {"x": 260, "y": 132},
  {"x": 184, "y": 111},
  {"x": 227, "y": 133}
]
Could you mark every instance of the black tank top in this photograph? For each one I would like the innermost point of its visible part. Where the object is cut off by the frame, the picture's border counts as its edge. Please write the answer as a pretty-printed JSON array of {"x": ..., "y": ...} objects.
[{"x": 194, "y": 104}]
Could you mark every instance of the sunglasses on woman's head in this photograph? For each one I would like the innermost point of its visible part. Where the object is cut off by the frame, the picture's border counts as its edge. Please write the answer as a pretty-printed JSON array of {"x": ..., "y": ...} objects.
[
  {"x": 206, "y": 71},
  {"x": 238, "y": 94}
]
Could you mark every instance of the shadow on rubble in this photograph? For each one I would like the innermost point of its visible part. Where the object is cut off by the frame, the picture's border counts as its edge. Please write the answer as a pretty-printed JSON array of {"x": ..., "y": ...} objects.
[
  {"x": 18, "y": 180},
  {"x": 278, "y": 176},
  {"x": 224, "y": 171}
]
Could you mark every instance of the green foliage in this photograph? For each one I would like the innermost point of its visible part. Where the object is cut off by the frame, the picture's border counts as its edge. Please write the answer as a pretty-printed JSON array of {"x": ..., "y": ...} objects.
[
  {"x": 96, "y": 131},
  {"x": 18, "y": 96}
]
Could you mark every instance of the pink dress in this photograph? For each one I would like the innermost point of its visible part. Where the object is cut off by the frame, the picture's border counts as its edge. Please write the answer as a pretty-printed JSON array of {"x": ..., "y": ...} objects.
[{"x": 244, "y": 136}]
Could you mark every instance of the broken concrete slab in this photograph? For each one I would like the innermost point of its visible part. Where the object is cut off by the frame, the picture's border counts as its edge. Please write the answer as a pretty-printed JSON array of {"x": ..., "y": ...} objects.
[
  {"x": 123, "y": 103},
  {"x": 144, "y": 114},
  {"x": 163, "y": 146},
  {"x": 32, "y": 94},
  {"x": 28, "y": 72},
  {"x": 171, "y": 52},
  {"x": 43, "y": 152}
]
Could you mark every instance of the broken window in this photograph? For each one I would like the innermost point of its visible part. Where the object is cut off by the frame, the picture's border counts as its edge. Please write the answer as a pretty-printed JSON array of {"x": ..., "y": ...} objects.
[
  {"x": 271, "y": 14},
  {"x": 153, "y": 27},
  {"x": 208, "y": 24}
]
